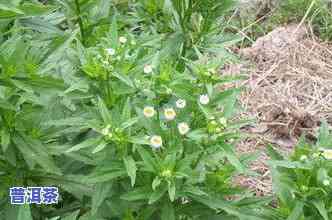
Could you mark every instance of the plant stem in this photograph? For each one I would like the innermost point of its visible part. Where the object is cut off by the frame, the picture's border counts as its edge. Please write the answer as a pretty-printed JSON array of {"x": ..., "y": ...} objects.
[{"x": 80, "y": 21}]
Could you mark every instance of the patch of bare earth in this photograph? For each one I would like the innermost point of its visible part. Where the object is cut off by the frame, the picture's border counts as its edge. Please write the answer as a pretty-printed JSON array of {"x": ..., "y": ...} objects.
[{"x": 288, "y": 92}]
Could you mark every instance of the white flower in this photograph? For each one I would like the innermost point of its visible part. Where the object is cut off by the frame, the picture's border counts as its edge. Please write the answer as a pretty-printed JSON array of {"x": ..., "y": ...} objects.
[
  {"x": 326, "y": 182},
  {"x": 147, "y": 68},
  {"x": 180, "y": 103},
  {"x": 122, "y": 40},
  {"x": 110, "y": 51},
  {"x": 169, "y": 113},
  {"x": 183, "y": 128},
  {"x": 149, "y": 111},
  {"x": 204, "y": 99},
  {"x": 156, "y": 141},
  {"x": 327, "y": 153},
  {"x": 303, "y": 157}
]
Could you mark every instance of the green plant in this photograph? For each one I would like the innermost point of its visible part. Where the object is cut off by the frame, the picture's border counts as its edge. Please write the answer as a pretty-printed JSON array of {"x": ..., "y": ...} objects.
[
  {"x": 302, "y": 183},
  {"x": 98, "y": 110},
  {"x": 186, "y": 27},
  {"x": 317, "y": 12}
]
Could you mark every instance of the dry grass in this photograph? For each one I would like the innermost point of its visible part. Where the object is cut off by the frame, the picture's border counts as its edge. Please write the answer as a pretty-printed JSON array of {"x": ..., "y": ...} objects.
[{"x": 289, "y": 91}]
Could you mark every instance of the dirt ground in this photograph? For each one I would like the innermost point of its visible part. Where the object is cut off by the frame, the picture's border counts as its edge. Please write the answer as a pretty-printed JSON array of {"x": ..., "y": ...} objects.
[{"x": 288, "y": 92}]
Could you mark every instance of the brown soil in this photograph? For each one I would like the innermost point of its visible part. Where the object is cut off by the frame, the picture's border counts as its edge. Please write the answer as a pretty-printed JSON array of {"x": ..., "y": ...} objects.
[{"x": 289, "y": 92}]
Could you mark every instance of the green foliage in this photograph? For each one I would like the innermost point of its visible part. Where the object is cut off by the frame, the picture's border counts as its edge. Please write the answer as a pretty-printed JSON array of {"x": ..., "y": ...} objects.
[
  {"x": 254, "y": 24},
  {"x": 319, "y": 15},
  {"x": 124, "y": 123},
  {"x": 185, "y": 26},
  {"x": 120, "y": 105},
  {"x": 303, "y": 182}
]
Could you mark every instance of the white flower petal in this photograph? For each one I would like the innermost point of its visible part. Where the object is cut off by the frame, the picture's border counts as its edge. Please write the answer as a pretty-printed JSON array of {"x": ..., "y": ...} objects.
[
  {"x": 180, "y": 103},
  {"x": 183, "y": 128},
  {"x": 147, "y": 69},
  {"x": 169, "y": 113},
  {"x": 149, "y": 111},
  {"x": 156, "y": 141},
  {"x": 204, "y": 99},
  {"x": 122, "y": 40}
]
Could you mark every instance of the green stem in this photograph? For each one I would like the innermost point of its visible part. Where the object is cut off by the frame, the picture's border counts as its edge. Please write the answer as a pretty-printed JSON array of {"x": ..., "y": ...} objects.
[{"x": 80, "y": 21}]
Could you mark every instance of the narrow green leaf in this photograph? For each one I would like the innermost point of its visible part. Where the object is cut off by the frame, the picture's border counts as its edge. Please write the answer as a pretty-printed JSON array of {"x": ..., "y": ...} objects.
[
  {"x": 105, "y": 114},
  {"x": 273, "y": 153},
  {"x": 24, "y": 213},
  {"x": 100, "y": 177},
  {"x": 72, "y": 216},
  {"x": 141, "y": 193},
  {"x": 87, "y": 143},
  {"x": 167, "y": 212},
  {"x": 131, "y": 168},
  {"x": 319, "y": 204},
  {"x": 297, "y": 212},
  {"x": 5, "y": 139},
  {"x": 157, "y": 194},
  {"x": 171, "y": 191},
  {"x": 100, "y": 194},
  {"x": 149, "y": 162},
  {"x": 100, "y": 147}
]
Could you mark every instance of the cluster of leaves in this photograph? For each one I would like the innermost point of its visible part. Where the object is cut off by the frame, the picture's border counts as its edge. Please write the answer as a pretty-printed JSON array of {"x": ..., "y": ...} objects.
[
  {"x": 303, "y": 182},
  {"x": 75, "y": 80},
  {"x": 119, "y": 104}
]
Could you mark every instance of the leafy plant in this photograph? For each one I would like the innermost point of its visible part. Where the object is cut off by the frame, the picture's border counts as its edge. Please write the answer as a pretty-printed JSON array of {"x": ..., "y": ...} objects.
[
  {"x": 92, "y": 106},
  {"x": 319, "y": 15},
  {"x": 303, "y": 182},
  {"x": 186, "y": 28}
]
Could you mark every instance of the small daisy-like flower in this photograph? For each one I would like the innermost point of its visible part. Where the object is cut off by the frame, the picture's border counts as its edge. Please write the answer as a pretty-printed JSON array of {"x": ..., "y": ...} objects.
[
  {"x": 327, "y": 153},
  {"x": 147, "y": 68},
  {"x": 180, "y": 103},
  {"x": 204, "y": 99},
  {"x": 149, "y": 111},
  {"x": 183, "y": 128},
  {"x": 303, "y": 157},
  {"x": 326, "y": 182},
  {"x": 122, "y": 40},
  {"x": 169, "y": 113},
  {"x": 110, "y": 51},
  {"x": 156, "y": 141}
]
